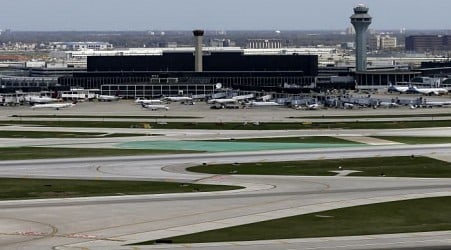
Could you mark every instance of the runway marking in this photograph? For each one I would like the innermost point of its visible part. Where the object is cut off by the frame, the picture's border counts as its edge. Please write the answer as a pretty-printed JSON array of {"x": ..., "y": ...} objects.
[
  {"x": 26, "y": 234},
  {"x": 71, "y": 236},
  {"x": 214, "y": 177},
  {"x": 40, "y": 235},
  {"x": 99, "y": 169}
]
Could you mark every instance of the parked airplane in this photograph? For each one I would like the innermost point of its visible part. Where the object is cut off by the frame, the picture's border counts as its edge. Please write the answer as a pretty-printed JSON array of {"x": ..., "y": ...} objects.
[
  {"x": 314, "y": 106},
  {"x": 222, "y": 101},
  {"x": 234, "y": 99},
  {"x": 39, "y": 99},
  {"x": 400, "y": 89},
  {"x": 155, "y": 107},
  {"x": 348, "y": 105},
  {"x": 428, "y": 91},
  {"x": 266, "y": 98},
  {"x": 243, "y": 97},
  {"x": 145, "y": 101},
  {"x": 388, "y": 104},
  {"x": 438, "y": 104},
  {"x": 108, "y": 98},
  {"x": 56, "y": 106},
  {"x": 264, "y": 104},
  {"x": 183, "y": 99}
]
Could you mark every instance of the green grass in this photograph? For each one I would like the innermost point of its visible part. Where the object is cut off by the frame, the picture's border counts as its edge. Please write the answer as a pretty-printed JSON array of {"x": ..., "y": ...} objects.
[
  {"x": 51, "y": 134},
  {"x": 109, "y": 116},
  {"x": 419, "y": 215},
  {"x": 369, "y": 116},
  {"x": 295, "y": 139},
  {"x": 241, "y": 126},
  {"x": 416, "y": 140},
  {"x": 25, "y": 153},
  {"x": 12, "y": 188},
  {"x": 400, "y": 166}
]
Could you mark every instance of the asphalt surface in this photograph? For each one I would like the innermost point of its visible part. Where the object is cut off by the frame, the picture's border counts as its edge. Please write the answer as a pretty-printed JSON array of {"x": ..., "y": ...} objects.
[{"x": 112, "y": 222}]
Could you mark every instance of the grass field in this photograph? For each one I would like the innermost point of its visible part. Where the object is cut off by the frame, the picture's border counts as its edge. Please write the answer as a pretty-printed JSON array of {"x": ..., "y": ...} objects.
[
  {"x": 11, "y": 188},
  {"x": 25, "y": 153},
  {"x": 419, "y": 215},
  {"x": 402, "y": 166},
  {"x": 369, "y": 116},
  {"x": 242, "y": 126},
  {"x": 51, "y": 134}
]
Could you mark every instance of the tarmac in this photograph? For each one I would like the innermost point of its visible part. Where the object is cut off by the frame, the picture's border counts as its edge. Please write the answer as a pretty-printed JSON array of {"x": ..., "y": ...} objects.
[{"x": 114, "y": 221}]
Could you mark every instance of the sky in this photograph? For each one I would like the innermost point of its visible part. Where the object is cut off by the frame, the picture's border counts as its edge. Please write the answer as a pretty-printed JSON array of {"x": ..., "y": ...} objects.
[{"x": 118, "y": 15}]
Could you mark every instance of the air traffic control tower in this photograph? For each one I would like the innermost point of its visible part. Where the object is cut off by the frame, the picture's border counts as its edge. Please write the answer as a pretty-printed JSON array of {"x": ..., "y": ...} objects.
[
  {"x": 198, "y": 64},
  {"x": 361, "y": 20}
]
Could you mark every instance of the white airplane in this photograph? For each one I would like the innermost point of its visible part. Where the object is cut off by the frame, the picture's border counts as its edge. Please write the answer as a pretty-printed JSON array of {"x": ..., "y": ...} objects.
[
  {"x": 400, "y": 89},
  {"x": 56, "y": 106},
  {"x": 314, "y": 106},
  {"x": 234, "y": 99},
  {"x": 388, "y": 104},
  {"x": 185, "y": 99},
  {"x": 155, "y": 107},
  {"x": 438, "y": 104},
  {"x": 108, "y": 98},
  {"x": 348, "y": 105},
  {"x": 222, "y": 101},
  {"x": 264, "y": 104},
  {"x": 266, "y": 98},
  {"x": 428, "y": 91},
  {"x": 39, "y": 99},
  {"x": 243, "y": 97},
  {"x": 145, "y": 101}
]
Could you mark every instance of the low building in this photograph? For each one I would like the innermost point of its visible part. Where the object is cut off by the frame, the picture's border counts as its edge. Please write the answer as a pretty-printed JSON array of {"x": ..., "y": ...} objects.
[
  {"x": 264, "y": 44},
  {"x": 378, "y": 79},
  {"x": 428, "y": 43},
  {"x": 172, "y": 73}
]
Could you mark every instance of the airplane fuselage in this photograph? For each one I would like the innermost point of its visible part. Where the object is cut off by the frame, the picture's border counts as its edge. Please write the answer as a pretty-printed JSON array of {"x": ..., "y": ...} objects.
[
  {"x": 155, "y": 107},
  {"x": 56, "y": 106}
]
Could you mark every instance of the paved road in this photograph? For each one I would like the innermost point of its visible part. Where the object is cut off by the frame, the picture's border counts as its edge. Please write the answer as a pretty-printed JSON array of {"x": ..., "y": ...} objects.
[
  {"x": 190, "y": 134},
  {"x": 110, "y": 222}
]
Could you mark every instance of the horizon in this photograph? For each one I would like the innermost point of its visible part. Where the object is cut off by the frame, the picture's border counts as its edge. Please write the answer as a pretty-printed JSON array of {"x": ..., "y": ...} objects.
[
  {"x": 136, "y": 15},
  {"x": 222, "y": 30}
]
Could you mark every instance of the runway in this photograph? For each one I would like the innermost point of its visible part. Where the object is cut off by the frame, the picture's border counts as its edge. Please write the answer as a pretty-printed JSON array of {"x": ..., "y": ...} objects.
[{"x": 112, "y": 222}]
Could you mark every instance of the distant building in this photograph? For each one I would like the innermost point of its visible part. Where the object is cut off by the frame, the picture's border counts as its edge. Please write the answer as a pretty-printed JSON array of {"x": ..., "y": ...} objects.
[
  {"x": 381, "y": 42},
  {"x": 428, "y": 43},
  {"x": 388, "y": 42},
  {"x": 221, "y": 43},
  {"x": 7, "y": 33},
  {"x": 374, "y": 42},
  {"x": 167, "y": 44},
  {"x": 348, "y": 45},
  {"x": 171, "y": 71},
  {"x": 350, "y": 30},
  {"x": 264, "y": 44},
  {"x": 81, "y": 45}
]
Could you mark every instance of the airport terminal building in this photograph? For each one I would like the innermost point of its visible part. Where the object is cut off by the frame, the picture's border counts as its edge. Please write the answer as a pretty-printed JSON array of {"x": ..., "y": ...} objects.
[{"x": 173, "y": 73}]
